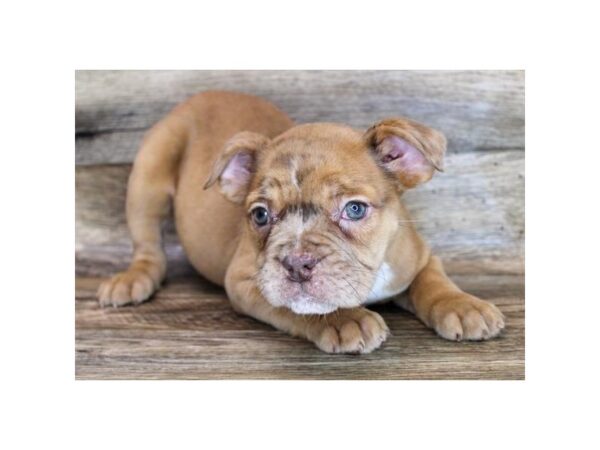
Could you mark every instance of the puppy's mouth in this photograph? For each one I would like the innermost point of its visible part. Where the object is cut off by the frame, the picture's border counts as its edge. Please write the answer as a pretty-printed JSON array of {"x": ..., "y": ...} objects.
[
  {"x": 303, "y": 299},
  {"x": 321, "y": 289}
]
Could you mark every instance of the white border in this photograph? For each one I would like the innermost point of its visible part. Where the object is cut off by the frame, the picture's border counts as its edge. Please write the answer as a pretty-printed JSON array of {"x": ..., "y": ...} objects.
[{"x": 45, "y": 41}]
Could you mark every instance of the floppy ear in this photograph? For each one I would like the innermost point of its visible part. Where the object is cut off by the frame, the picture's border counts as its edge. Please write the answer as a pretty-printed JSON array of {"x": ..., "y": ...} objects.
[
  {"x": 408, "y": 149},
  {"x": 235, "y": 166}
]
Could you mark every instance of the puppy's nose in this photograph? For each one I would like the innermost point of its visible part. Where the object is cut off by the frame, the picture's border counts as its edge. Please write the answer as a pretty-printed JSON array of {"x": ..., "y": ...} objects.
[{"x": 299, "y": 267}]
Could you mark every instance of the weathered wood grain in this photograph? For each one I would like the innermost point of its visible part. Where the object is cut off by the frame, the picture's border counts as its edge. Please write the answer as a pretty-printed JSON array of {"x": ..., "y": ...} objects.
[
  {"x": 189, "y": 331},
  {"x": 477, "y": 110},
  {"x": 472, "y": 215}
]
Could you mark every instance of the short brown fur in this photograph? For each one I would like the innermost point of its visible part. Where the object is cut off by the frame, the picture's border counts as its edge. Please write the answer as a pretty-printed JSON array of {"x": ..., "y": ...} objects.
[{"x": 301, "y": 175}]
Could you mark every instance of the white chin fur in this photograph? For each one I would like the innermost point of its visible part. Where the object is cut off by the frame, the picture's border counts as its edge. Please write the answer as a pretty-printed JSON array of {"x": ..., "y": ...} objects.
[{"x": 309, "y": 307}]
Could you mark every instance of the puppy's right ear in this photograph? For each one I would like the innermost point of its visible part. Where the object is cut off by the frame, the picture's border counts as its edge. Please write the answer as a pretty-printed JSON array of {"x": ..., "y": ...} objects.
[{"x": 235, "y": 166}]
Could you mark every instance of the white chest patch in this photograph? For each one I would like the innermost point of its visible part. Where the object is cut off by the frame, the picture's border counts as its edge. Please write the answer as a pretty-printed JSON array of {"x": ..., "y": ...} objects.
[{"x": 382, "y": 288}]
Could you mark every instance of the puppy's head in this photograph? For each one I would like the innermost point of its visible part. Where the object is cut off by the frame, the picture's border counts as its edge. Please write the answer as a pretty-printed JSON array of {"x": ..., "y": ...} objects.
[{"x": 322, "y": 204}]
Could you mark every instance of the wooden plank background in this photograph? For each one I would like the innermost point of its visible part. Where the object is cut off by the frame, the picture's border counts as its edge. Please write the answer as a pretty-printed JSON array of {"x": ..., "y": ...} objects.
[
  {"x": 477, "y": 110},
  {"x": 190, "y": 331},
  {"x": 472, "y": 215}
]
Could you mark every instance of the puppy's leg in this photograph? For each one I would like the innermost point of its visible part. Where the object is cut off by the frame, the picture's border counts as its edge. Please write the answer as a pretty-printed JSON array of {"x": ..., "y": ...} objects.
[
  {"x": 452, "y": 313},
  {"x": 356, "y": 330},
  {"x": 150, "y": 189}
]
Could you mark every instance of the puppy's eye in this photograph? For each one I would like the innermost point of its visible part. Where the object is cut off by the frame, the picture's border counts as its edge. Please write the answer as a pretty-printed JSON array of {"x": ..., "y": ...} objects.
[
  {"x": 355, "y": 210},
  {"x": 260, "y": 216}
]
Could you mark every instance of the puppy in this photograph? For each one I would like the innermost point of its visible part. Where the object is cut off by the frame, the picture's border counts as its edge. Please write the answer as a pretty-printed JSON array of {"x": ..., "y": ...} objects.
[{"x": 303, "y": 225}]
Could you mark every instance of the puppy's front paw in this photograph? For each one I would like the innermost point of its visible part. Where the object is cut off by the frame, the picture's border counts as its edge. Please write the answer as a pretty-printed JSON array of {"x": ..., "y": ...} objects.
[
  {"x": 131, "y": 286},
  {"x": 351, "y": 331},
  {"x": 466, "y": 317}
]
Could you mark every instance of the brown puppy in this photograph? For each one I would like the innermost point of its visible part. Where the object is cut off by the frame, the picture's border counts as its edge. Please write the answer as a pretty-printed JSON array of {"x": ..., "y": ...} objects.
[{"x": 307, "y": 225}]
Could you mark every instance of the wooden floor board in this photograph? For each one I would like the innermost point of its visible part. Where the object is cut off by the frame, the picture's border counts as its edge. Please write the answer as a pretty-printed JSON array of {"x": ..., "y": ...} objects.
[{"x": 189, "y": 331}]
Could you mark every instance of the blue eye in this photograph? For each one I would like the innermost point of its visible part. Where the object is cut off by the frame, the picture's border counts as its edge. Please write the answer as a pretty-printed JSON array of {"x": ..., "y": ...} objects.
[
  {"x": 355, "y": 210},
  {"x": 260, "y": 216}
]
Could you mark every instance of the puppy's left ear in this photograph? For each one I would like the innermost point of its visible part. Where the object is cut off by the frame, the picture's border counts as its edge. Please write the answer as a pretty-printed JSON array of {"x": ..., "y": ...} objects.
[
  {"x": 235, "y": 165},
  {"x": 408, "y": 149}
]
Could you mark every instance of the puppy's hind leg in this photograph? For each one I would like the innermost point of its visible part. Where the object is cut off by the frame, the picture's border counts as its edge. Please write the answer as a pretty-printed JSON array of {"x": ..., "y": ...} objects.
[{"x": 150, "y": 189}]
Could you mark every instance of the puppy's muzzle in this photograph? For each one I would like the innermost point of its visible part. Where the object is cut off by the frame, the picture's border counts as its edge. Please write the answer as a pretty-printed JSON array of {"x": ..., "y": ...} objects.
[{"x": 299, "y": 267}]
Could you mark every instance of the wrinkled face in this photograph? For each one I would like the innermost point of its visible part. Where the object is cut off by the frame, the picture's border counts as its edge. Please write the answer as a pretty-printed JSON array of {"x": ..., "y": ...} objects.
[
  {"x": 321, "y": 213},
  {"x": 322, "y": 204}
]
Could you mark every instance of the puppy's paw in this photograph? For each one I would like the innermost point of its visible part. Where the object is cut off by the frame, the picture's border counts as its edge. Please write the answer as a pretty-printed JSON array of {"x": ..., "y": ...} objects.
[
  {"x": 351, "y": 331},
  {"x": 466, "y": 317},
  {"x": 132, "y": 286}
]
